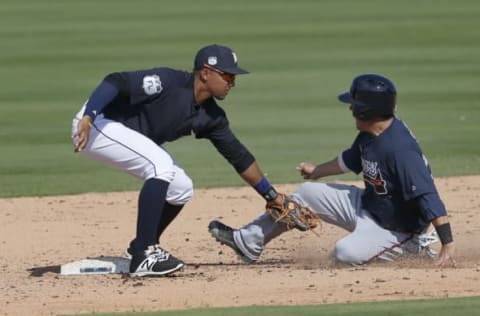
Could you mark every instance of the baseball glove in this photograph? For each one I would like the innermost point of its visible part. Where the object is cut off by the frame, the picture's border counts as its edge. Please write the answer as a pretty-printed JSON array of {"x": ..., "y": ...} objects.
[{"x": 292, "y": 214}]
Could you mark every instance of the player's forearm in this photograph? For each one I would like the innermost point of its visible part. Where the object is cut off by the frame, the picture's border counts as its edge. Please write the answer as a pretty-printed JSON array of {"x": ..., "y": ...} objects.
[
  {"x": 440, "y": 220},
  {"x": 432, "y": 208},
  {"x": 252, "y": 175},
  {"x": 444, "y": 231},
  {"x": 326, "y": 169}
]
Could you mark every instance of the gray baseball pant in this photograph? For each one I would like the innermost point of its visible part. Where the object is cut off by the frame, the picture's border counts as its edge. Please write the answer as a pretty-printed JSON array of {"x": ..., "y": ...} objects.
[{"x": 339, "y": 205}]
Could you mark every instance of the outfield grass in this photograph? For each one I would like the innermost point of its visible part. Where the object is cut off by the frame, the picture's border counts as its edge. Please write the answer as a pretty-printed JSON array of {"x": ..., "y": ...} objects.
[
  {"x": 301, "y": 54},
  {"x": 441, "y": 307}
]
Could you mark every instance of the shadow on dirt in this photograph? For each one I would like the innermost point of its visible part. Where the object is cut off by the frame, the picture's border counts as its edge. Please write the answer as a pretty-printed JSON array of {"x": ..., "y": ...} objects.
[{"x": 40, "y": 271}]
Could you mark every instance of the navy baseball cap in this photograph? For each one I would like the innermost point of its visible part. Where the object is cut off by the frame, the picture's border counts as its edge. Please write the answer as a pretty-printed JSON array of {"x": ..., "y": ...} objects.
[{"x": 218, "y": 57}]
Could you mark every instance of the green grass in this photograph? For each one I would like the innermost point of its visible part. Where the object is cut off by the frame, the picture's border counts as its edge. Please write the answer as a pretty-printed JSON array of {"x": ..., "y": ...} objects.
[
  {"x": 301, "y": 54},
  {"x": 441, "y": 307}
]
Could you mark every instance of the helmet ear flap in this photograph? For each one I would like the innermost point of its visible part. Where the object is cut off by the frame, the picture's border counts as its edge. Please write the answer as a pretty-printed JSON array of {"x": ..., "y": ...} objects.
[{"x": 362, "y": 112}]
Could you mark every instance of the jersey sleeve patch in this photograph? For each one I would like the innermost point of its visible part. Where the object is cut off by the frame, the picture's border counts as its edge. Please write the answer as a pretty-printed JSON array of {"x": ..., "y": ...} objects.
[{"x": 152, "y": 85}]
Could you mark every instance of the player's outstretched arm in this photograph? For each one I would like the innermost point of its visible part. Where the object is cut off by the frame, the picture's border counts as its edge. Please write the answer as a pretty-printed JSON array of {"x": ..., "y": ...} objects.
[{"x": 312, "y": 171}]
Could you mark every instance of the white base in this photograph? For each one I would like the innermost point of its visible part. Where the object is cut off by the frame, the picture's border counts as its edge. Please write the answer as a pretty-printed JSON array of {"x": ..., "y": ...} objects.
[{"x": 97, "y": 265}]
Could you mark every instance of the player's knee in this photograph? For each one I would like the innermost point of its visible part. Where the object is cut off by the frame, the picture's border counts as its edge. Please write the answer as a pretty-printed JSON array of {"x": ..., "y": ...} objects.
[
  {"x": 305, "y": 192},
  {"x": 180, "y": 192},
  {"x": 165, "y": 171},
  {"x": 186, "y": 192},
  {"x": 347, "y": 252},
  {"x": 305, "y": 188}
]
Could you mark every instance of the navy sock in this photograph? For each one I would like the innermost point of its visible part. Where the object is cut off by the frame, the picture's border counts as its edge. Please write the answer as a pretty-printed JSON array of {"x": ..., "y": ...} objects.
[
  {"x": 151, "y": 202},
  {"x": 169, "y": 213}
]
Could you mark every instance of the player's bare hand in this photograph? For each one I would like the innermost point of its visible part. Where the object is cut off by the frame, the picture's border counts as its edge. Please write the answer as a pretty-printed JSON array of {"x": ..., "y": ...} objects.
[
  {"x": 446, "y": 255},
  {"x": 82, "y": 134},
  {"x": 307, "y": 170}
]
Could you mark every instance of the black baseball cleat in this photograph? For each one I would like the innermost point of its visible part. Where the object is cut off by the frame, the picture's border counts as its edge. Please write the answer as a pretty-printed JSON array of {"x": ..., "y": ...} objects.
[
  {"x": 224, "y": 235},
  {"x": 154, "y": 262}
]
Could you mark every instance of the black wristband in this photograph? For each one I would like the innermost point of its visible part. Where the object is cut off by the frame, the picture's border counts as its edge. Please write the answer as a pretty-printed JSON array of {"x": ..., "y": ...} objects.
[{"x": 444, "y": 232}]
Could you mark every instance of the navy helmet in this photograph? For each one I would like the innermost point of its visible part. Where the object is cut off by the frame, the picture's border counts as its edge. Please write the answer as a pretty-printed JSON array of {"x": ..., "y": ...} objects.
[{"x": 371, "y": 96}]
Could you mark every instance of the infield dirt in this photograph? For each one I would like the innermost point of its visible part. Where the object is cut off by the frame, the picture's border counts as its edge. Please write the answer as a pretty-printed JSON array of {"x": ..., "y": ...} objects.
[{"x": 38, "y": 234}]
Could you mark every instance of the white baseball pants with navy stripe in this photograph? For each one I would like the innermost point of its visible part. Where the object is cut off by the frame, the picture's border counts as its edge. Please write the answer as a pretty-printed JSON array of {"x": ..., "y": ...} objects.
[{"x": 116, "y": 145}]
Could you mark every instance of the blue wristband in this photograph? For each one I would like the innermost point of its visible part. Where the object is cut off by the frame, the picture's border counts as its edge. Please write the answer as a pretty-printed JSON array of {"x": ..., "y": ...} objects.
[{"x": 265, "y": 189}]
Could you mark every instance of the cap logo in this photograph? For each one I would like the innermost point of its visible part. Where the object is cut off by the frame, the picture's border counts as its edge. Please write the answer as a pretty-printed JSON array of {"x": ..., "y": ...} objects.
[
  {"x": 212, "y": 60},
  {"x": 234, "y": 57}
]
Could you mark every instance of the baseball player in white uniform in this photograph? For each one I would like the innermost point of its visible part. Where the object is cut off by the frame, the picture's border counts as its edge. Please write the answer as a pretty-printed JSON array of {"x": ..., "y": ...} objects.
[{"x": 132, "y": 113}]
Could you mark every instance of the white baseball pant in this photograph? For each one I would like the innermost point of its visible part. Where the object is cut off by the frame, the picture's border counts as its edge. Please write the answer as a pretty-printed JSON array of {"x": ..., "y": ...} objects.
[{"x": 114, "y": 144}]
